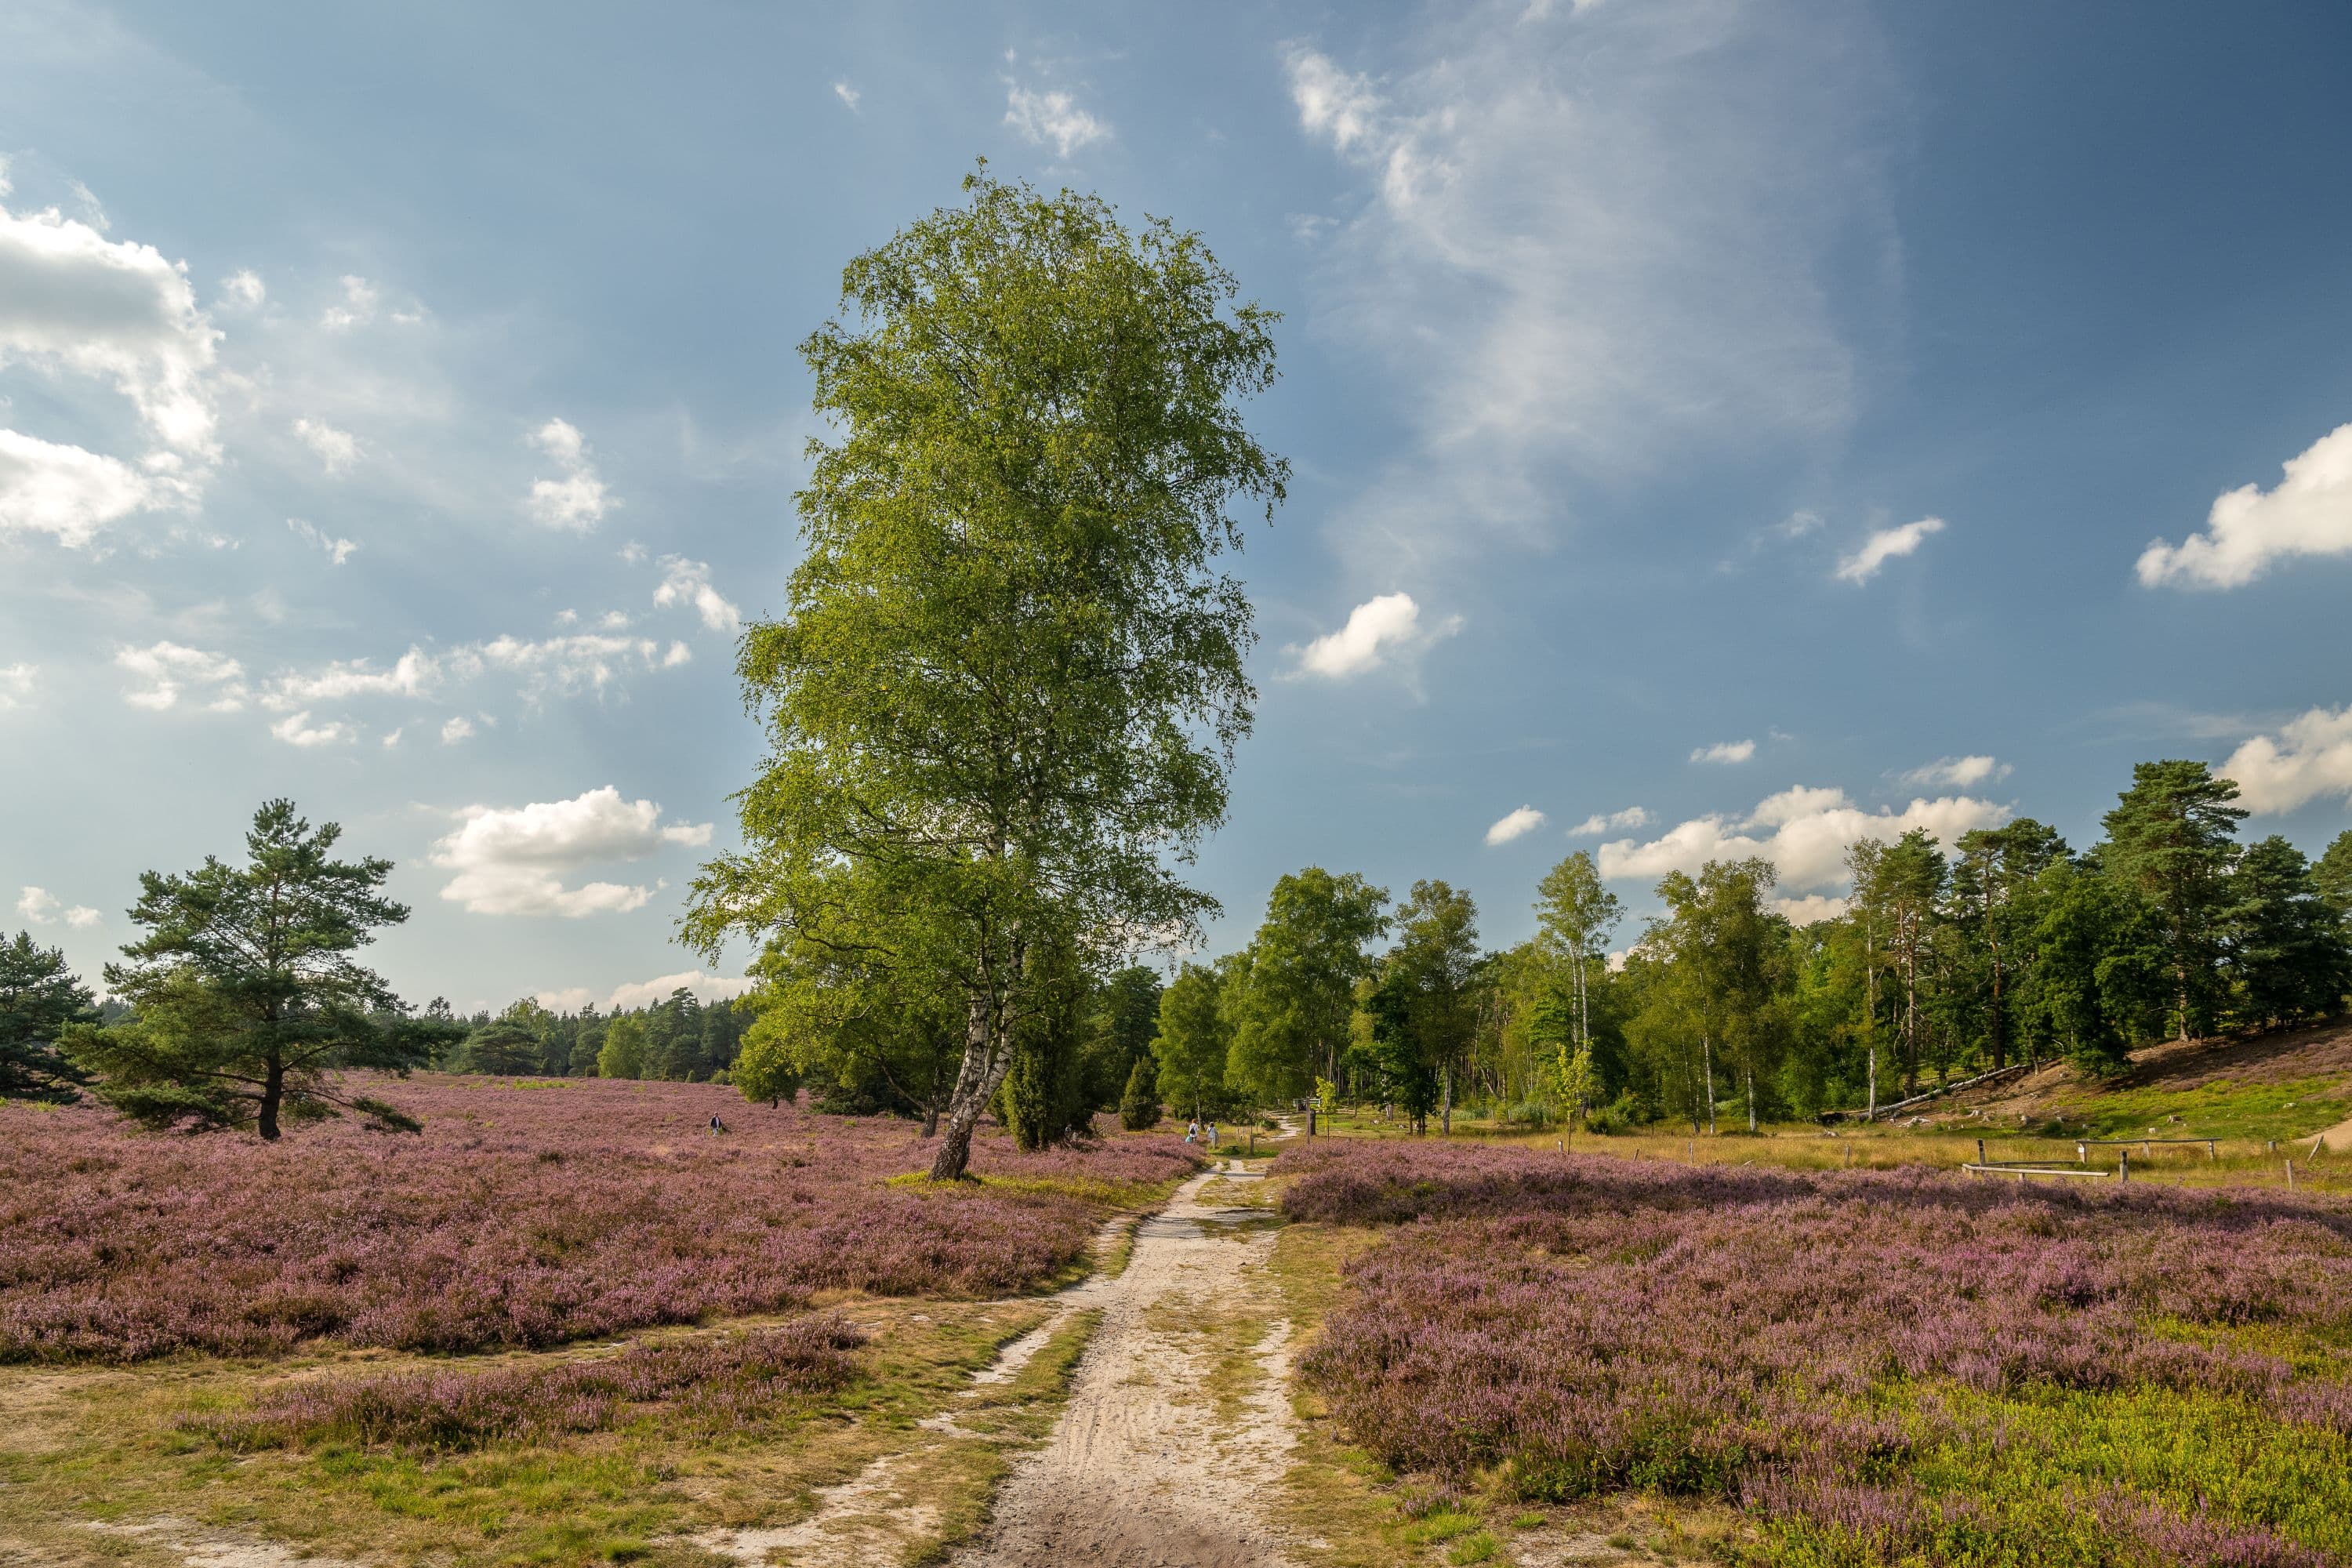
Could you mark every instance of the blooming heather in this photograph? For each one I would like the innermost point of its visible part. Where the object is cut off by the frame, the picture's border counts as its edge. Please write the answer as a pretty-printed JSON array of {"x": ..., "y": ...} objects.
[
  {"x": 520, "y": 1216},
  {"x": 1592, "y": 1325}
]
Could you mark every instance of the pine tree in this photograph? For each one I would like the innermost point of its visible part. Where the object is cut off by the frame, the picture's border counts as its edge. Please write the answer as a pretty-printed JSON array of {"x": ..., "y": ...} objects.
[
  {"x": 246, "y": 993},
  {"x": 1139, "y": 1107},
  {"x": 2287, "y": 948},
  {"x": 39, "y": 999},
  {"x": 2171, "y": 838}
]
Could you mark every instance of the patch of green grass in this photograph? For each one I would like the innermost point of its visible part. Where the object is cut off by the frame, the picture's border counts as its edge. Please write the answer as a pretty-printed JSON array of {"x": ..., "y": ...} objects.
[
  {"x": 2295, "y": 1109},
  {"x": 1475, "y": 1547},
  {"x": 1437, "y": 1526}
]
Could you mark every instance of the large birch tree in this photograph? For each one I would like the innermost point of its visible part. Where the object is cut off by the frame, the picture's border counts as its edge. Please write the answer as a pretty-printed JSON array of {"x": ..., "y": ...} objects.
[{"x": 1002, "y": 698}]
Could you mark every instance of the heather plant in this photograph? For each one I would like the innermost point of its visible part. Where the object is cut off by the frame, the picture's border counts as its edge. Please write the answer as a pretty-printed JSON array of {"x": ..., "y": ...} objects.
[
  {"x": 1885, "y": 1366},
  {"x": 519, "y": 1216},
  {"x": 719, "y": 1383}
]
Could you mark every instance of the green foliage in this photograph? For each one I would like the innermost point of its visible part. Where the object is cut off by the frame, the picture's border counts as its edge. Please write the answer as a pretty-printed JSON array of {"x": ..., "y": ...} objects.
[
  {"x": 1402, "y": 1060},
  {"x": 2331, "y": 877},
  {"x": 1004, "y": 694},
  {"x": 506, "y": 1046},
  {"x": 623, "y": 1054},
  {"x": 246, "y": 990},
  {"x": 1123, "y": 1017},
  {"x": 1139, "y": 1106},
  {"x": 1290, "y": 1012},
  {"x": 39, "y": 999},
  {"x": 2287, "y": 948},
  {"x": 1041, "y": 1100},
  {"x": 2099, "y": 978},
  {"x": 2170, "y": 839},
  {"x": 1191, "y": 1047}
]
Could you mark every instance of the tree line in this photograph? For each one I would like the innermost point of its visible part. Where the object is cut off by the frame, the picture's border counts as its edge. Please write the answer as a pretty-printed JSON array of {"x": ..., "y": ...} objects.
[{"x": 2011, "y": 947}]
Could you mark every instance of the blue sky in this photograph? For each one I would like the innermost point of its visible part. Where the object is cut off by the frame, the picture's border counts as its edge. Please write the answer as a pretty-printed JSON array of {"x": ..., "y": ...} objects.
[{"x": 1719, "y": 428}]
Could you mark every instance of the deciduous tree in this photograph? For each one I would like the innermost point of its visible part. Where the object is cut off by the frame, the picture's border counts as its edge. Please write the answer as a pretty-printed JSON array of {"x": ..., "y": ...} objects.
[{"x": 1009, "y": 678}]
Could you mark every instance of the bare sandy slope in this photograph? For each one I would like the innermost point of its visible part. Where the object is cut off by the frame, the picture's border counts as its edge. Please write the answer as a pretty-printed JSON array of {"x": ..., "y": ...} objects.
[{"x": 1140, "y": 1471}]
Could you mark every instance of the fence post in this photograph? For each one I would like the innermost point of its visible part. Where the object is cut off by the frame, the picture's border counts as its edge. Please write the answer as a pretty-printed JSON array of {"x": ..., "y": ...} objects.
[
  {"x": 2122, "y": 1171},
  {"x": 1980, "y": 1159}
]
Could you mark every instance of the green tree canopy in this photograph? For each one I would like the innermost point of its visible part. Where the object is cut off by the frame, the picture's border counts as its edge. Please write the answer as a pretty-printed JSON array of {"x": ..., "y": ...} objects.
[
  {"x": 39, "y": 999},
  {"x": 506, "y": 1046},
  {"x": 1291, "y": 1017},
  {"x": 2286, "y": 946},
  {"x": 2171, "y": 838},
  {"x": 246, "y": 993},
  {"x": 1190, "y": 1045},
  {"x": 1004, "y": 697},
  {"x": 623, "y": 1054}
]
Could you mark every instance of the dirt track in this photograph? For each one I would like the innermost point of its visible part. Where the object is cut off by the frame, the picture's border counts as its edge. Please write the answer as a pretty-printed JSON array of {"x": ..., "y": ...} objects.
[{"x": 1139, "y": 1471}]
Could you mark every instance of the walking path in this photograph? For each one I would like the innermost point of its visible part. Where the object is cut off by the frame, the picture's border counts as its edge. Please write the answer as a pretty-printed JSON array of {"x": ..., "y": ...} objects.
[{"x": 1140, "y": 1471}]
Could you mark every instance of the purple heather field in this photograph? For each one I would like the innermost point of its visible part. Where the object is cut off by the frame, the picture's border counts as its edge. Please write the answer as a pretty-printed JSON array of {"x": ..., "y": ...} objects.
[{"x": 520, "y": 1216}]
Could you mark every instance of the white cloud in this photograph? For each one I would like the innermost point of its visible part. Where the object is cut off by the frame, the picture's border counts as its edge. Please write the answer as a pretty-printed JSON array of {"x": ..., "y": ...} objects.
[
  {"x": 338, "y": 550},
  {"x": 415, "y": 674},
  {"x": 394, "y": 738},
  {"x": 16, "y": 683},
  {"x": 1804, "y": 832},
  {"x": 456, "y": 729},
  {"x": 846, "y": 93},
  {"x": 1376, "y": 629},
  {"x": 2311, "y": 757},
  {"x": 1724, "y": 751},
  {"x": 66, "y": 491},
  {"x": 40, "y": 906},
  {"x": 707, "y": 987},
  {"x": 1524, "y": 820},
  {"x": 1587, "y": 251},
  {"x": 164, "y": 670},
  {"x": 585, "y": 660},
  {"x": 357, "y": 307},
  {"x": 2247, "y": 531},
  {"x": 337, "y": 449},
  {"x": 296, "y": 729},
  {"x": 687, "y": 582},
  {"x": 1632, "y": 816},
  {"x": 74, "y": 303},
  {"x": 1043, "y": 117},
  {"x": 1810, "y": 910},
  {"x": 513, "y": 861},
  {"x": 577, "y": 501},
  {"x": 1957, "y": 773},
  {"x": 1887, "y": 544},
  {"x": 242, "y": 291}
]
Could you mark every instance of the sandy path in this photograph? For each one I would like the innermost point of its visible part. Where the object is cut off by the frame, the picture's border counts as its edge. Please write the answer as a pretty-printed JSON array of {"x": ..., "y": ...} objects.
[{"x": 1140, "y": 1471}]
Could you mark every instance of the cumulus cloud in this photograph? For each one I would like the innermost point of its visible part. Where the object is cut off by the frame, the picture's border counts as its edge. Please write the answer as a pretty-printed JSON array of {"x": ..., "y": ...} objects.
[
  {"x": 542, "y": 667},
  {"x": 456, "y": 729},
  {"x": 706, "y": 987},
  {"x": 1514, "y": 824},
  {"x": 1587, "y": 249},
  {"x": 338, "y": 550},
  {"x": 1377, "y": 630},
  {"x": 577, "y": 501},
  {"x": 2310, "y": 757},
  {"x": 2249, "y": 530},
  {"x": 1632, "y": 816},
  {"x": 515, "y": 861},
  {"x": 68, "y": 492},
  {"x": 1887, "y": 544},
  {"x": 16, "y": 683},
  {"x": 242, "y": 291},
  {"x": 687, "y": 582},
  {"x": 164, "y": 670},
  {"x": 1956, "y": 773},
  {"x": 40, "y": 906},
  {"x": 296, "y": 729},
  {"x": 1804, "y": 832},
  {"x": 337, "y": 450},
  {"x": 846, "y": 93},
  {"x": 1043, "y": 117},
  {"x": 1810, "y": 910},
  {"x": 1724, "y": 751},
  {"x": 356, "y": 309}
]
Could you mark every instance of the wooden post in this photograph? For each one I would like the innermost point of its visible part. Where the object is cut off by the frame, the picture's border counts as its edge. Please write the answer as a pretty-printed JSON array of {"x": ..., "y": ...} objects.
[
  {"x": 2290, "y": 1173},
  {"x": 2123, "y": 1171},
  {"x": 2082, "y": 1153},
  {"x": 2213, "y": 1147},
  {"x": 1980, "y": 1159}
]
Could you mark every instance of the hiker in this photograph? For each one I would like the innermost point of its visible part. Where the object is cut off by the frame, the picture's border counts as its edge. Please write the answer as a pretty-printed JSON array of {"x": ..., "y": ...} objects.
[
  {"x": 717, "y": 1127},
  {"x": 1192, "y": 1131},
  {"x": 1213, "y": 1132}
]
